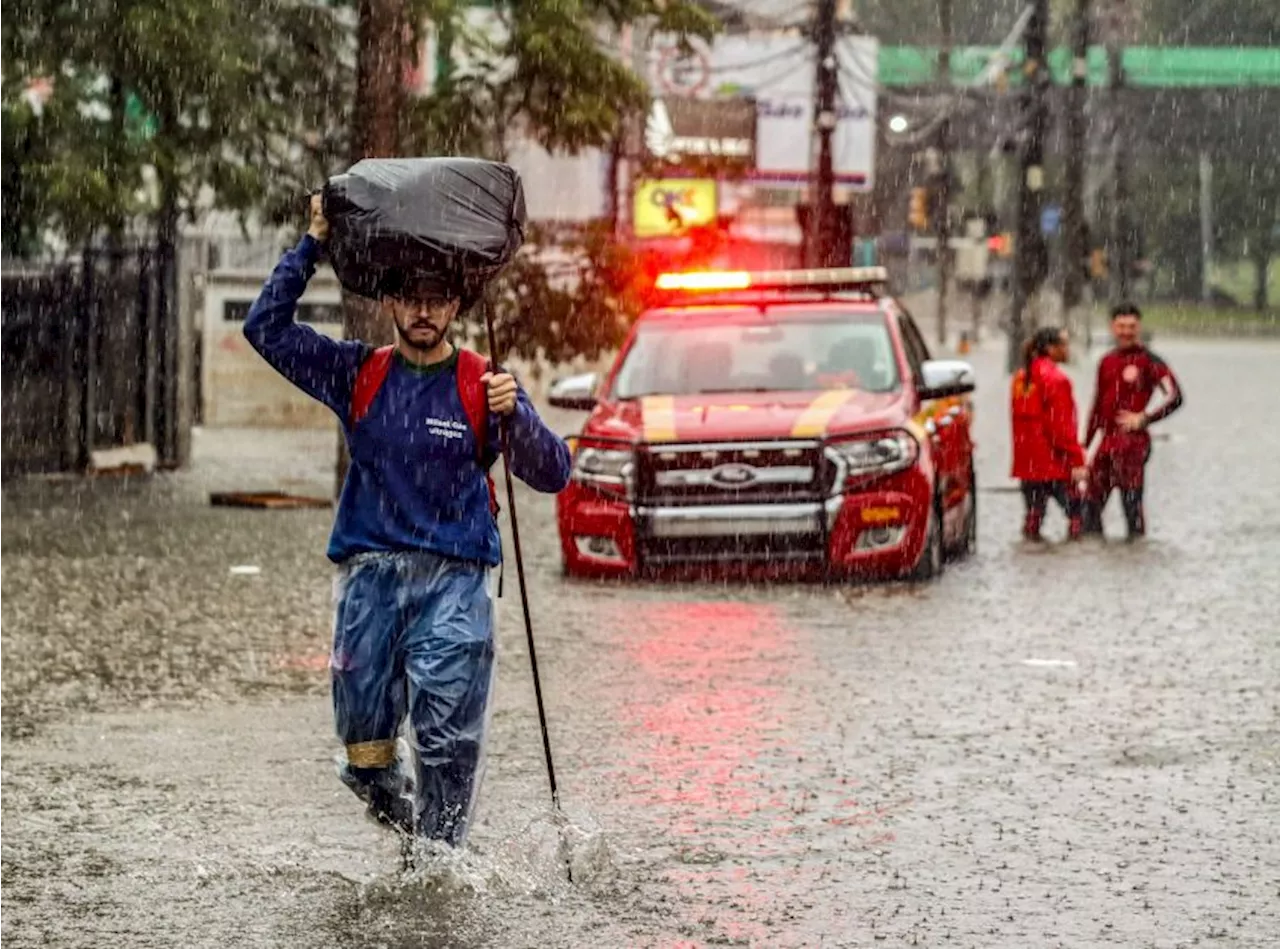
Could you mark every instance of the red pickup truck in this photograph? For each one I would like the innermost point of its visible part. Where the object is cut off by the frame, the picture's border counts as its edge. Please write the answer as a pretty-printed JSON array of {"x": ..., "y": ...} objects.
[{"x": 786, "y": 422}]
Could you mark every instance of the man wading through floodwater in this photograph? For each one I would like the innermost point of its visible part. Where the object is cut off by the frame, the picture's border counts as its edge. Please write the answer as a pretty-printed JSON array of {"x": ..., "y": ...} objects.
[{"x": 415, "y": 535}]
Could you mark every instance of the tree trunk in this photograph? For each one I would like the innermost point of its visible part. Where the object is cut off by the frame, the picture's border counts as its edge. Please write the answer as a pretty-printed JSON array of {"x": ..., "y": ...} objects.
[
  {"x": 382, "y": 56},
  {"x": 1261, "y": 262},
  {"x": 384, "y": 51}
]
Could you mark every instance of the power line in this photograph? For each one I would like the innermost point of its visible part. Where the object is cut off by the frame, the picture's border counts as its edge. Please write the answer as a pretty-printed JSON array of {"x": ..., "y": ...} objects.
[{"x": 801, "y": 48}]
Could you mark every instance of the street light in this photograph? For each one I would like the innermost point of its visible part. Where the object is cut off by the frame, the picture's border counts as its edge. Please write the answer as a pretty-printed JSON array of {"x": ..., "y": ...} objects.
[{"x": 899, "y": 124}]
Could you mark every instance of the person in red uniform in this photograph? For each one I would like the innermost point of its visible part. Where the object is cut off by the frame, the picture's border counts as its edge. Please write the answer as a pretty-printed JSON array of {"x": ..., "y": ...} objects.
[
  {"x": 1047, "y": 457},
  {"x": 1128, "y": 377}
]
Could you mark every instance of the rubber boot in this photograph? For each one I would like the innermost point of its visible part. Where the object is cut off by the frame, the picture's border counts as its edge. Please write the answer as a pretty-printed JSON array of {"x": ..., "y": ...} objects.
[
  {"x": 1090, "y": 518},
  {"x": 1134, "y": 515},
  {"x": 386, "y": 793},
  {"x": 1075, "y": 527},
  {"x": 1031, "y": 525}
]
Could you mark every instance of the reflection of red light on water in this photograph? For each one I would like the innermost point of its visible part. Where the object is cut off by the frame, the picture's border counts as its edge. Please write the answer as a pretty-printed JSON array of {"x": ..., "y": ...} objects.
[
  {"x": 723, "y": 750},
  {"x": 713, "y": 670},
  {"x": 308, "y": 662}
]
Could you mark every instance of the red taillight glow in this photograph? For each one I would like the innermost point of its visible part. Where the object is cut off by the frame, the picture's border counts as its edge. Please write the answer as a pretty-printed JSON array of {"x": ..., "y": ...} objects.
[{"x": 705, "y": 280}]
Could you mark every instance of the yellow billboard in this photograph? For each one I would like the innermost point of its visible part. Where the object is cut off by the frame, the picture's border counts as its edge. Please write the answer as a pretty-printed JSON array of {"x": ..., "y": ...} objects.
[{"x": 667, "y": 206}]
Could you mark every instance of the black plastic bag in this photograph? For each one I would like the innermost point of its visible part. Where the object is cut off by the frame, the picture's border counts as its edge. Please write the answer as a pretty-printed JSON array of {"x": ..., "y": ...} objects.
[{"x": 416, "y": 225}]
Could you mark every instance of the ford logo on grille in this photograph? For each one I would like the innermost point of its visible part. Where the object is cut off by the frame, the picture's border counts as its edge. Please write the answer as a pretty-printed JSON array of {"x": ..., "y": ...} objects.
[{"x": 733, "y": 475}]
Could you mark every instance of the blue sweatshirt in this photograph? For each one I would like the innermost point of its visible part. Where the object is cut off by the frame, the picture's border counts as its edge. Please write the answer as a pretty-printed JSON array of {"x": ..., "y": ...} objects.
[{"x": 415, "y": 482}]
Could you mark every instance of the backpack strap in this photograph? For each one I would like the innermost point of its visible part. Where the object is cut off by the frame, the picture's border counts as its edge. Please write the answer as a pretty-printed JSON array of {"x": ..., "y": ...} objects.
[
  {"x": 475, "y": 403},
  {"x": 372, "y": 374}
]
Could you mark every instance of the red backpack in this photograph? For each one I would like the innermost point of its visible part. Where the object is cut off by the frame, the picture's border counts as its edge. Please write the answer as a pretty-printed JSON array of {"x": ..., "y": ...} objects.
[{"x": 475, "y": 399}]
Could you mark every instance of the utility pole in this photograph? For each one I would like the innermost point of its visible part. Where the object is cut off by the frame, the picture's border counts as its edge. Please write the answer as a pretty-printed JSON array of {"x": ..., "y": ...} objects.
[
  {"x": 1073, "y": 219},
  {"x": 944, "y": 172},
  {"x": 821, "y": 251},
  {"x": 1119, "y": 253},
  {"x": 1030, "y": 263}
]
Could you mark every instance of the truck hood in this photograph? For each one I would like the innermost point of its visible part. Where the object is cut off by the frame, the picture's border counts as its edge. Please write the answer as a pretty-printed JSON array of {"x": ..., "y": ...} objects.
[{"x": 745, "y": 416}]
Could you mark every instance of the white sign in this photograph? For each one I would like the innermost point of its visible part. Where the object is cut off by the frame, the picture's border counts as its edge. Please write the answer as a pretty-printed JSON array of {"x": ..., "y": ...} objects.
[{"x": 779, "y": 73}]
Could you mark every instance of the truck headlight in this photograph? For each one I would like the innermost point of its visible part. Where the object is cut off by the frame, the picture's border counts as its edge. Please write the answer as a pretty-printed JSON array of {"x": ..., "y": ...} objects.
[
  {"x": 610, "y": 469},
  {"x": 883, "y": 453}
]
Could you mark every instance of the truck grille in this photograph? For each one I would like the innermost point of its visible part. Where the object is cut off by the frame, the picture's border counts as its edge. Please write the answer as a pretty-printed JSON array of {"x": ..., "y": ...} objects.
[
  {"x": 787, "y": 548},
  {"x": 732, "y": 473}
]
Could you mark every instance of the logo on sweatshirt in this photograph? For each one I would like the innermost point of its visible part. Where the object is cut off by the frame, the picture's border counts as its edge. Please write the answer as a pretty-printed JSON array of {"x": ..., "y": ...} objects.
[{"x": 446, "y": 427}]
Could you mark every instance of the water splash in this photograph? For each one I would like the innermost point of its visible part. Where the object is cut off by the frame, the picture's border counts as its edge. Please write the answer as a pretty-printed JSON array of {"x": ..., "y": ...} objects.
[{"x": 542, "y": 858}]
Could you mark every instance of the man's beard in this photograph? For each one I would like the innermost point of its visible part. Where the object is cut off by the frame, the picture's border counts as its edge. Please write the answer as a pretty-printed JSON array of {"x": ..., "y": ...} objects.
[{"x": 437, "y": 335}]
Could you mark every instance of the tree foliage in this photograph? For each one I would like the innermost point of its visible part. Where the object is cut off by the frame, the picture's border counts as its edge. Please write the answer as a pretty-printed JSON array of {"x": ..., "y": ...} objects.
[
  {"x": 217, "y": 102},
  {"x": 563, "y": 298},
  {"x": 244, "y": 105},
  {"x": 545, "y": 69}
]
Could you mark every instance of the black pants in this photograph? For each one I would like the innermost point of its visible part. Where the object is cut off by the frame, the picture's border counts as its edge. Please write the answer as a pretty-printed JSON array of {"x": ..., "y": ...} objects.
[
  {"x": 1135, "y": 515},
  {"x": 1119, "y": 464},
  {"x": 1036, "y": 495}
]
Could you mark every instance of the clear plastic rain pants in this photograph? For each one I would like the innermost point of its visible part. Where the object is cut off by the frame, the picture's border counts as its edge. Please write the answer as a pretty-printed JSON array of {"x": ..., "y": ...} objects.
[{"x": 413, "y": 642}]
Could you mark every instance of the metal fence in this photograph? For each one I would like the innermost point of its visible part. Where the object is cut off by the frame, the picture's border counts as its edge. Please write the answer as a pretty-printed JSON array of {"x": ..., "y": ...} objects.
[{"x": 89, "y": 360}]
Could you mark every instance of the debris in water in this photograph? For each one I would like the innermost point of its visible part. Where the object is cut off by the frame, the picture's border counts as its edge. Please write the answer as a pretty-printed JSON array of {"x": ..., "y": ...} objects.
[
  {"x": 266, "y": 500},
  {"x": 245, "y": 570},
  {"x": 126, "y": 460}
]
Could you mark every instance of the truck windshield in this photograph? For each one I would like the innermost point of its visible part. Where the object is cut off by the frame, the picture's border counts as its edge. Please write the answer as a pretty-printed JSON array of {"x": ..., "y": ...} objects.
[{"x": 836, "y": 351}]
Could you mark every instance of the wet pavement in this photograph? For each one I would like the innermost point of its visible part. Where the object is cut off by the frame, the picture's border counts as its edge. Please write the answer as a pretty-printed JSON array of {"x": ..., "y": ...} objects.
[{"x": 1057, "y": 746}]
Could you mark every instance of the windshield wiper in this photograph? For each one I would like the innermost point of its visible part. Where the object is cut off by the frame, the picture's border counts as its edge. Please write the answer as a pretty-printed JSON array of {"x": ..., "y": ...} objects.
[{"x": 736, "y": 389}]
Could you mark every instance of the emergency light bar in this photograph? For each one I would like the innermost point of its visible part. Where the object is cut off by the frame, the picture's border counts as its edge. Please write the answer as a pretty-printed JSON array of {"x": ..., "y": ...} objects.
[{"x": 830, "y": 279}]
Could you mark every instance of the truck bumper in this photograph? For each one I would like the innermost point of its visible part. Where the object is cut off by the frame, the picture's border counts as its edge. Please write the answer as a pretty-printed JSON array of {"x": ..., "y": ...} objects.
[{"x": 875, "y": 532}]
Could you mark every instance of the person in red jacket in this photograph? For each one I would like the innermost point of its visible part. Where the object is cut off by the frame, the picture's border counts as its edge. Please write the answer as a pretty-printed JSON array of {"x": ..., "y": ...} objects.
[
  {"x": 1128, "y": 377},
  {"x": 1047, "y": 458}
]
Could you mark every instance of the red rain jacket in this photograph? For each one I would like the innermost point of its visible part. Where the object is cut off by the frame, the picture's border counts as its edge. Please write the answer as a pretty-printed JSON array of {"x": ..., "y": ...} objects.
[{"x": 1045, "y": 446}]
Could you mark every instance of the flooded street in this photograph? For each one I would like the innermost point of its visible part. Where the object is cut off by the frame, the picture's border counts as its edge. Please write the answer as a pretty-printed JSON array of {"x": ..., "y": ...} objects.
[{"x": 1055, "y": 746}]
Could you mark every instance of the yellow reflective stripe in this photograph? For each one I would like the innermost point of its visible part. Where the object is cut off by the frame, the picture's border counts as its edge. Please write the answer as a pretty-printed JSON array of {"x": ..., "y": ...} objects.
[
  {"x": 372, "y": 754},
  {"x": 815, "y": 419},
  {"x": 659, "y": 413},
  {"x": 917, "y": 430}
]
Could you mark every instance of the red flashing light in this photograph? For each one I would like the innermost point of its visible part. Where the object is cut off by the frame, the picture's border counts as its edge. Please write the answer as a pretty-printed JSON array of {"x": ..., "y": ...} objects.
[
  {"x": 830, "y": 279},
  {"x": 705, "y": 280}
]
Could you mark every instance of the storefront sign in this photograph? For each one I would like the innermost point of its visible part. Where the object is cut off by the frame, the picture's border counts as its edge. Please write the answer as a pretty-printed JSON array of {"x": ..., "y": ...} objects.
[
  {"x": 667, "y": 207},
  {"x": 720, "y": 133}
]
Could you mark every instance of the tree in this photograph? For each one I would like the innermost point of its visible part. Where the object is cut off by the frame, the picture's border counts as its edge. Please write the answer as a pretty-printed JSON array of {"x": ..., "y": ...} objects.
[
  {"x": 543, "y": 69},
  {"x": 161, "y": 106}
]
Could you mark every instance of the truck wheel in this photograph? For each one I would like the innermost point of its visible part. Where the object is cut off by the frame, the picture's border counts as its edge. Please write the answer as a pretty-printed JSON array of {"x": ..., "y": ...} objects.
[
  {"x": 932, "y": 559},
  {"x": 968, "y": 544}
]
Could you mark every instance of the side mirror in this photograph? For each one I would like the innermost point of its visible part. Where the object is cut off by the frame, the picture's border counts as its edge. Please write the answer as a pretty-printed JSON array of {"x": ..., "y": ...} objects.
[
  {"x": 575, "y": 392},
  {"x": 942, "y": 378}
]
